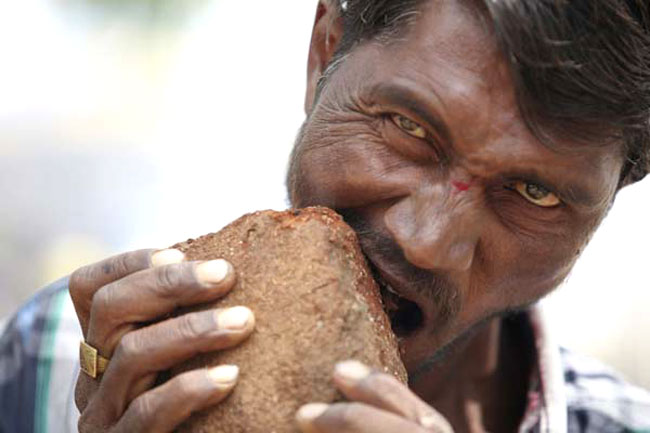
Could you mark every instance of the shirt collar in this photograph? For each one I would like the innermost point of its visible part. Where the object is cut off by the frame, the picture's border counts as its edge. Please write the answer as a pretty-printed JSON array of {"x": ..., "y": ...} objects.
[{"x": 546, "y": 409}]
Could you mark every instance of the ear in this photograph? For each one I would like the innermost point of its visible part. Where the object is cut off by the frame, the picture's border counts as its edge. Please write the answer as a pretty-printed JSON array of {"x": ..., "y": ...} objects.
[{"x": 326, "y": 35}]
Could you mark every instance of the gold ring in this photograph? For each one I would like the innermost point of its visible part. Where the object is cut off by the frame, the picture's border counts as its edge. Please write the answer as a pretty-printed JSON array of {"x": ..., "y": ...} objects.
[{"x": 92, "y": 363}]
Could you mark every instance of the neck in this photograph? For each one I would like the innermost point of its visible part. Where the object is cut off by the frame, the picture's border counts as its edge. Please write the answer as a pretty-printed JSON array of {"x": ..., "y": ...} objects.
[{"x": 482, "y": 384}]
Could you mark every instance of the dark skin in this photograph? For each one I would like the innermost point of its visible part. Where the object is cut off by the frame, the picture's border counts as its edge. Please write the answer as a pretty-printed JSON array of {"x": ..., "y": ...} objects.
[{"x": 460, "y": 208}]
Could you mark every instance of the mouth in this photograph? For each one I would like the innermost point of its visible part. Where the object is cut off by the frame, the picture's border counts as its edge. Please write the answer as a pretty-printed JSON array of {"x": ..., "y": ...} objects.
[{"x": 406, "y": 317}]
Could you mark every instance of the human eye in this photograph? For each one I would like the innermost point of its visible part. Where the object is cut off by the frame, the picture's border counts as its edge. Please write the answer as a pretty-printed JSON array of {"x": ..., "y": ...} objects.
[
  {"x": 536, "y": 194},
  {"x": 409, "y": 126}
]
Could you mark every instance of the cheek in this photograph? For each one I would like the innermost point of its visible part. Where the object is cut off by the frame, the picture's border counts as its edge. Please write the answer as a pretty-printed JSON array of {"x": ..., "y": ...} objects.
[
  {"x": 346, "y": 164},
  {"x": 525, "y": 253},
  {"x": 520, "y": 270}
]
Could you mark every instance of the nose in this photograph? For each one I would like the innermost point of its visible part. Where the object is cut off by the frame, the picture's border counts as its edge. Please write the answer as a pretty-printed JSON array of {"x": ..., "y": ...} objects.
[{"x": 437, "y": 227}]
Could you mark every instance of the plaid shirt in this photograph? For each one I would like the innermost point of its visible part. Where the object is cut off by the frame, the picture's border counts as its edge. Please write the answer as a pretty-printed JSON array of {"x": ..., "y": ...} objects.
[{"x": 39, "y": 364}]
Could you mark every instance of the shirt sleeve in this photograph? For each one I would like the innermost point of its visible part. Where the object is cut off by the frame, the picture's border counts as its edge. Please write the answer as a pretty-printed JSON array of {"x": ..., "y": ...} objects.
[
  {"x": 599, "y": 400},
  {"x": 39, "y": 364}
]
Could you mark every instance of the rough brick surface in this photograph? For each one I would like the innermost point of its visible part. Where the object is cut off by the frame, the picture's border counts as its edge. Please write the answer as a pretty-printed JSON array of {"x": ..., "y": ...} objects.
[{"x": 315, "y": 303}]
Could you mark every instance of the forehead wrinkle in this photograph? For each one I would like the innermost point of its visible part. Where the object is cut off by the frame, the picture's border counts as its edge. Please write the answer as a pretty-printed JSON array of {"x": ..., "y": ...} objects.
[
  {"x": 452, "y": 28},
  {"x": 470, "y": 90},
  {"x": 430, "y": 57},
  {"x": 447, "y": 91},
  {"x": 482, "y": 64}
]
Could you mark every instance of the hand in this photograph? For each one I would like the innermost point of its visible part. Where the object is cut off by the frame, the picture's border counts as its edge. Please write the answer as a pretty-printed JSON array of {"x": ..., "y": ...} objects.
[
  {"x": 124, "y": 305},
  {"x": 379, "y": 403}
]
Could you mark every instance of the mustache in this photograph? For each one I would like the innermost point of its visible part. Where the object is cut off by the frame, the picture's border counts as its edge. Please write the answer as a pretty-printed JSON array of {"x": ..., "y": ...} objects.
[{"x": 433, "y": 287}]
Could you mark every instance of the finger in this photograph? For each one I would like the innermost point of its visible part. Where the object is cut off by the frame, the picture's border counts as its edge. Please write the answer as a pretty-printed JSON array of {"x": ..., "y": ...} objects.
[
  {"x": 141, "y": 354},
  {"x": 85, "y": 388},
  {"x": 85, "y": 281},
  {"x": 151, "y": 294},
  {"x": 162, "y": 409},
  {"x": 352, "y": 418},
  {"x": 359, "y": 383}
]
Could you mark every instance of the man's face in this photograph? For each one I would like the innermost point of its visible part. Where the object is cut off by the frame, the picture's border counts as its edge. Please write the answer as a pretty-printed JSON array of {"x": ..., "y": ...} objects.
[{"x": 459, "y": 208}]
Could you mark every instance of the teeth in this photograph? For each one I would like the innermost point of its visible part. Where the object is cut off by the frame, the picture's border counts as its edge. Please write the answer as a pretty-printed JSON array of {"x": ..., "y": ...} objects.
[
  {"x": 387, "y": 286},
  {"x": 390, "y": 289},
  {"x": 382, "y": 282}
]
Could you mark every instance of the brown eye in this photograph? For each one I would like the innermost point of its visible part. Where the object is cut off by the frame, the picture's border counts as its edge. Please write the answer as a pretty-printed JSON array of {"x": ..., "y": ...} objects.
[
  {"x": 409, "y": 126},
  {"x": 537, "y": 194}
]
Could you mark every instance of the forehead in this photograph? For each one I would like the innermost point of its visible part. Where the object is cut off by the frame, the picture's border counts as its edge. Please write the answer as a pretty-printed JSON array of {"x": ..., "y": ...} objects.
[{"x": 450, "y": 61}]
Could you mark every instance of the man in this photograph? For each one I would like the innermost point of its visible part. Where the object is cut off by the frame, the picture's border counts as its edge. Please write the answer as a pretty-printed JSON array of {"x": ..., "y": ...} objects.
[{"x": 475, "y": 147}]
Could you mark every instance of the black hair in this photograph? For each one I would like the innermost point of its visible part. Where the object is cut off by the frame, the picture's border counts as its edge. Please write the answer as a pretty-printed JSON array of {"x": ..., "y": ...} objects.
[{"x": 581, "y": 67}]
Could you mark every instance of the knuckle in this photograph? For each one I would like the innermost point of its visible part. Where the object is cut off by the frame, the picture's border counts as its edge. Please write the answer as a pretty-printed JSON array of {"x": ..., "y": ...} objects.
[
  {"x": 89, "y": 423},
  {"x": 118, "y": 265},
  {"x": 191, "y": 326},
  {"x": 102, "y": 300},
  {"x": 128, "y": 348},
  {"x": 346, "y": 415},
  {"x": 78, "y": 281},
  {"x": 83, "y": 425},
  {"x": 80, "y": 402},
  {"x": 144, "y": 406},
  {"x": 382, "y": 384},
  {"x": 75, "y": 281},
  {"x": 168, "y": 278},
  {"x": 80, "y": 396},
  {"x": 90, "y": 276},
  {"x": 185, "y": 385}
]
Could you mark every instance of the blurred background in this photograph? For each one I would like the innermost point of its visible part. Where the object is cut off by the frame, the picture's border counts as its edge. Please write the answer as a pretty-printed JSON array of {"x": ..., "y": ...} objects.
[{"x": 140, "y": 123}]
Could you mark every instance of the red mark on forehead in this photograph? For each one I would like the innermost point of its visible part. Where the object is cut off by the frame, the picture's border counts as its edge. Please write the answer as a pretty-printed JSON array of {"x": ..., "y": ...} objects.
[{"x": 460, "y": 186}]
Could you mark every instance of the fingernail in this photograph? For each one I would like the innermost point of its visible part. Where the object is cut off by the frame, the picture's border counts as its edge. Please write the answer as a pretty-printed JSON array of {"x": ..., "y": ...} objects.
[
  {"x": 309, "y": 412},
  {"x": 234, "y": 318},
  {"x": 167, "y": 257},
  {"x": 213, "y": 271},
  {"x": 351, "y": 371},
  {"x": 224, "y": 374}
]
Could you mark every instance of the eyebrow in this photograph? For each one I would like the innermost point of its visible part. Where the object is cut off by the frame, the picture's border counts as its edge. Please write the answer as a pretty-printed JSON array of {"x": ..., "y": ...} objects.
[
  {"x": 580, "y": 196},
  {"x": 404, "y": 96}
]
